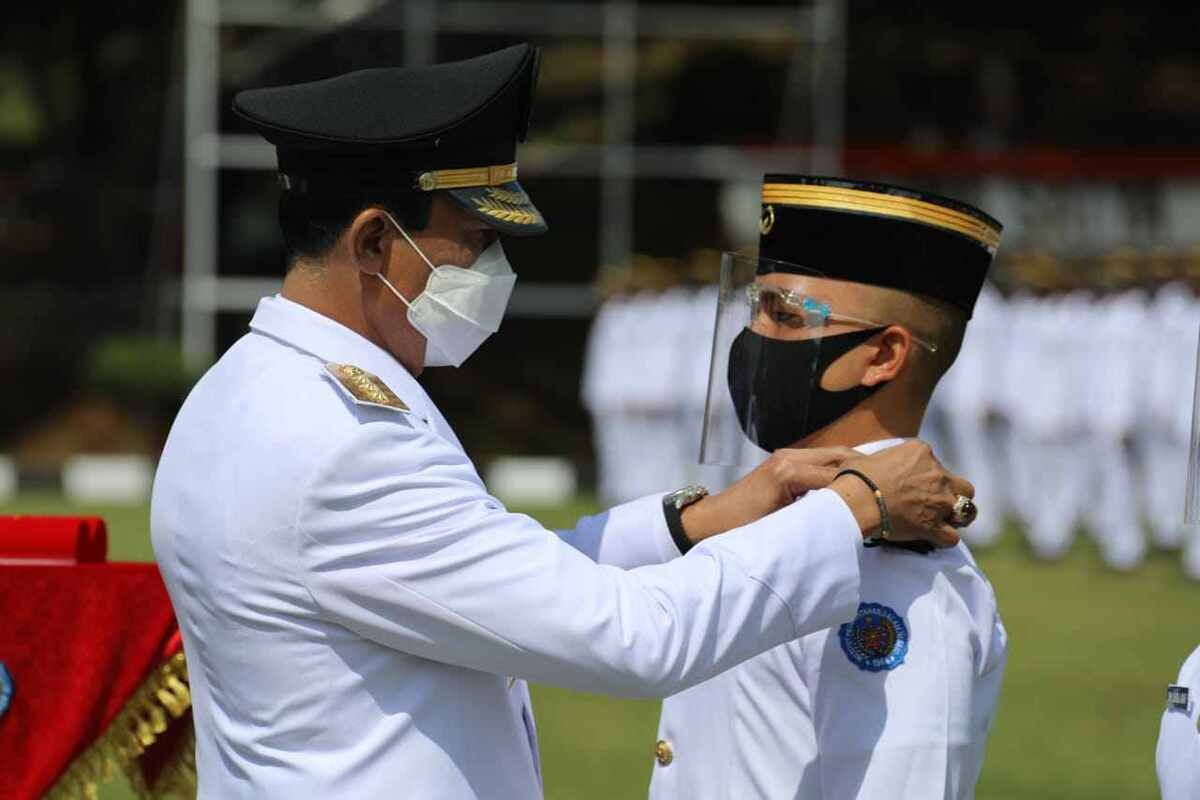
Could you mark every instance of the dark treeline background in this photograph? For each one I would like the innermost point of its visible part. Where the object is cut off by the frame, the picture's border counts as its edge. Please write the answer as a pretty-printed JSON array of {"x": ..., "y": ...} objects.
[{"x": 91, "y": 164}]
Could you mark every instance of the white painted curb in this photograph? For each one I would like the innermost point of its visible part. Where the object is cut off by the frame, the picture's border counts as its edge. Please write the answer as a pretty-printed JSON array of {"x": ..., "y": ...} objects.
[
  {"x": 8, "y": 478},
  {"x": 108, "y": 478},
  {"x": 532, "y": 481}
]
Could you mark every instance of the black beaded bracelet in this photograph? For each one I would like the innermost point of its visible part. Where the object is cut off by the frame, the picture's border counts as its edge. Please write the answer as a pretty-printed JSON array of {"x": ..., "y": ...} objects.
[{"x": 885, "y": 519}]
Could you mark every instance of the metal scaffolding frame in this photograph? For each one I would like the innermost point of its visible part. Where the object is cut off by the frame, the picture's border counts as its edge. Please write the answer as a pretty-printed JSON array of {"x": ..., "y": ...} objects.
[{"x": 617, "y": 162}]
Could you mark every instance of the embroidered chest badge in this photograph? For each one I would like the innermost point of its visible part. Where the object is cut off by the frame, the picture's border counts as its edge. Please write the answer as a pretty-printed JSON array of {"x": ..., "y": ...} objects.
[
  {"x": 877, "y": 639},
  {"x": 364, "y": 388}
]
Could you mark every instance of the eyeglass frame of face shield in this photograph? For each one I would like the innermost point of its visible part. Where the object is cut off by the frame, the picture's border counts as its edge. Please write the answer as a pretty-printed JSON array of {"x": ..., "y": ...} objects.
[{"x": 811, "y": 308}]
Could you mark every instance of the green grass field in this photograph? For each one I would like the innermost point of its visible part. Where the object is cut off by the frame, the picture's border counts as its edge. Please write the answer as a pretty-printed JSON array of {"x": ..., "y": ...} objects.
[{"x": 1090, "y": 653}]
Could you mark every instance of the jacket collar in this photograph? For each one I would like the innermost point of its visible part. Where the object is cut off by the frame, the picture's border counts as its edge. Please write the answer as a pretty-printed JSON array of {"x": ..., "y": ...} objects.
[{"x": 330, "y": 341}]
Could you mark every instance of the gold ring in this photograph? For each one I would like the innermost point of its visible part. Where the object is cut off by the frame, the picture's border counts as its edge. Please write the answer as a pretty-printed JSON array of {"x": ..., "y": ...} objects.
[{"x": 964, "y": 513}]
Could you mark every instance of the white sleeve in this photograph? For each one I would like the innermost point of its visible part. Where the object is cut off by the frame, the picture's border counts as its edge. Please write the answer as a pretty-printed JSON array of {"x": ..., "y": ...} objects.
[
  {"x": 633, "y": 534},
  {"x": 1177, "y": 756},
  {"x": 397, "y": 542},
  {"x": 986, "y": 697}
]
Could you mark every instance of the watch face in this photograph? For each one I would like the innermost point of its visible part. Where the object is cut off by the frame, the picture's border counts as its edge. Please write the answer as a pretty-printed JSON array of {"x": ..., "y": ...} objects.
[{"x": 688, "y": 495}]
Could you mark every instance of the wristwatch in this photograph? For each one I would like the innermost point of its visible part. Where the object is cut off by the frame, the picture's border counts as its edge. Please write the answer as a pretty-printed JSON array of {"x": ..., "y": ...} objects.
[{"x": 673, "y": 506}]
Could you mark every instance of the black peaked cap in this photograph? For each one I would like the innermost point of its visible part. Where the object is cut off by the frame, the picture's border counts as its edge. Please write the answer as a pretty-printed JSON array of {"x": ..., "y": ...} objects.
[
  {"x": 452, "y": 127},
  {"x": 878, "y": 234}
]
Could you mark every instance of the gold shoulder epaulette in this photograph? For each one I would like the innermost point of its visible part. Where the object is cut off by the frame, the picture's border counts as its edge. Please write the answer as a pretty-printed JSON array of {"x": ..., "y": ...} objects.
[{"x": 365, "y": 388}]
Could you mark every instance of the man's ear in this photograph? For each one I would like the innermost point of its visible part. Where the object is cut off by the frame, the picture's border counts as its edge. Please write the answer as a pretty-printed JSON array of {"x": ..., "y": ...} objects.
[
  {"x": 370, "y": 239},
  {"x": 891, "y": 354}
]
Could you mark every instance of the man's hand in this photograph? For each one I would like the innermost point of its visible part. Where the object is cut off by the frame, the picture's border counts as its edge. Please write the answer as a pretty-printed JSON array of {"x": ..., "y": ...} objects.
[
  {"x": 919, "y": 493},
  {"x": 784, "y": 476}
]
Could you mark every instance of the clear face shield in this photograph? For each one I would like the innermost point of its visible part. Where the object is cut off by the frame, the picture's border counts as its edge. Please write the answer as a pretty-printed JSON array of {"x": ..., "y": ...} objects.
[
  {"x": 1191, "y": 508},
  {"x": 779, "y": 328}
]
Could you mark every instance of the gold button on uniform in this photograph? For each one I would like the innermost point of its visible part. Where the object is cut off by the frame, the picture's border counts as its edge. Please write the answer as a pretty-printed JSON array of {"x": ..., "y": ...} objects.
[{"x": 664, "y": 752}]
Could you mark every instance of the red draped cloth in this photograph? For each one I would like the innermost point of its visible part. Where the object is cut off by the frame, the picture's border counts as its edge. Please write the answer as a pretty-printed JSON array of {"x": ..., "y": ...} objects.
[
  {"x": 98, "y": 682},
  {"x": 61, "y": 541}
]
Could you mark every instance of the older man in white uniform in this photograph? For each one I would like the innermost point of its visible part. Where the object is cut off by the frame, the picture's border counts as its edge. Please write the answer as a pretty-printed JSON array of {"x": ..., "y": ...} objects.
[
  {"x": 857, "y": 306},
  {"x": 357, "y": 612}
]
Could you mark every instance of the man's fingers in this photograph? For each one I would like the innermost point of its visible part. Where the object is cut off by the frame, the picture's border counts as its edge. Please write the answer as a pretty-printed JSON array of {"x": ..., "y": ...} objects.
[
  {"x": 828, "y": 456},
  {"x": 837, "y": 456},
  {"x": 933, "y": 455},
  {"x": 946, "y": 536},
  {"x": 809, "y": 477},
  {"x": 961, "y": 486}
]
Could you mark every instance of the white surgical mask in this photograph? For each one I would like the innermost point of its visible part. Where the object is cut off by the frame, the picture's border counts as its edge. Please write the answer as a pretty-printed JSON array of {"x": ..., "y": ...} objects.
[{"x": 459, "y": 308}]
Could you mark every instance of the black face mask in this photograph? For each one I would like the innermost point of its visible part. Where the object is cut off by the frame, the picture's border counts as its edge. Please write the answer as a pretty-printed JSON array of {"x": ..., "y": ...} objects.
[{"x": 769, "y": 382}]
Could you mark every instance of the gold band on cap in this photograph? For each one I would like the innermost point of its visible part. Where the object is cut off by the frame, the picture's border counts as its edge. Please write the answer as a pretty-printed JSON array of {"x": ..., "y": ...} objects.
[
  {"x": 467, "y": 177},
  {"x": 885, "y": 205}
]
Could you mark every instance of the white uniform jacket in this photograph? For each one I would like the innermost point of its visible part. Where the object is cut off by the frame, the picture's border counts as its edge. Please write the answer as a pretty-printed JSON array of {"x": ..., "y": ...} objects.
[
  {"x": 353, "y": 601},
  {"x": 1178, "y": 752},
  {"x": 896, "y": 704}
]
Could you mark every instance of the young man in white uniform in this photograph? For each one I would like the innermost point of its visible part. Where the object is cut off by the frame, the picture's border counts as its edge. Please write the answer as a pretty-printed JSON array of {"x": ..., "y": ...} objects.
[{"x": 858, "y": 302}]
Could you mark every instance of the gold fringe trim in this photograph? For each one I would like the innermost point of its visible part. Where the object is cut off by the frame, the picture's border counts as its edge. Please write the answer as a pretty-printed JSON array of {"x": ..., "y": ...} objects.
[
  {"x": 162, "y": 698},
  {"x": 467, "y": 177}
]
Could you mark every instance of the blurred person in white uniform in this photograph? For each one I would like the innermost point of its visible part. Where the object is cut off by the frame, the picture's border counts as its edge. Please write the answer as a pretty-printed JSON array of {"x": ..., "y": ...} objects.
[
  {"x": 601, "y": 390},
  {"x": 359, "y": 614},
  {"x": 1114, "y": 401},
  {"x": 1048, "y": 461},
  {"x": 1191, "y": 536},
  {"x": 620, "y": 389},
  {"x": 636, "y": 348},
  {"x": 666, "y": 348},
  {"x": 1177, "y": 756},
  {"x": 853, "y": 309},
  {"x": 1174, "y": 319},
  {"x": 969, "y": 405}
]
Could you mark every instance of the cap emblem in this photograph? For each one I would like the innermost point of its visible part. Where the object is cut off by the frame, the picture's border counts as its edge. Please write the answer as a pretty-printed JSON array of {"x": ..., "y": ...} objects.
[{"x": 768, "y": 220}]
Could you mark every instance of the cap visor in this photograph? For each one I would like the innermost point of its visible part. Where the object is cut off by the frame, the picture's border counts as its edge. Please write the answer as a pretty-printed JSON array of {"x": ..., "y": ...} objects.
[{"x": 506, "y": 207}]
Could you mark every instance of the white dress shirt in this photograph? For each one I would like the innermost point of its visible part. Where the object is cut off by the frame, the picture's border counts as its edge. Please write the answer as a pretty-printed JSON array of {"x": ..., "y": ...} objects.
[
  {"x": 352, "y": 600},
  {"x": 896, "y": 705}
]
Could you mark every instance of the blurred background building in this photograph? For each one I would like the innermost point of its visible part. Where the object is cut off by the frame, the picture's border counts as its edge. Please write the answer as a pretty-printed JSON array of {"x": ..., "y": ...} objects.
[{"x": 137, "y": 216}]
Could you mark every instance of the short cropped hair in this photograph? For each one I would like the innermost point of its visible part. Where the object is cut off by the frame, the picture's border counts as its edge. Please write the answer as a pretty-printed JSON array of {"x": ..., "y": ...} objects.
[
  {"x": 311, "y": 224},
  {"x": 946, "y": 326}
]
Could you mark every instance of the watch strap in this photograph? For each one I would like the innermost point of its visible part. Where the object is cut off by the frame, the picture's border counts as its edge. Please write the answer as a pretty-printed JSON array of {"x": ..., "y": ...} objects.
[{"x": 673, "y": 512}]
